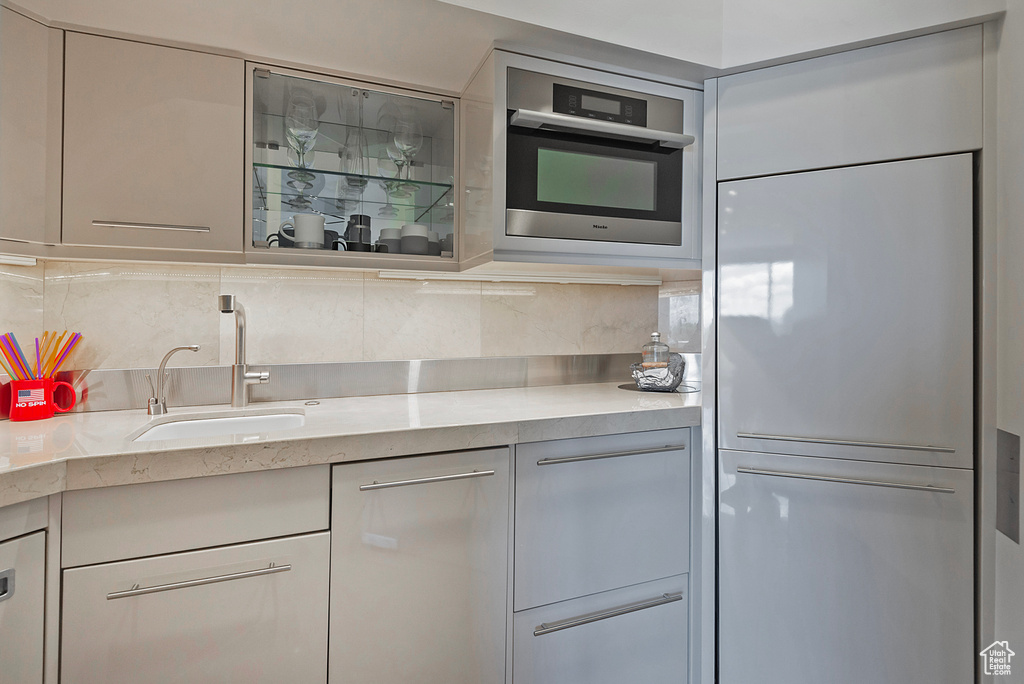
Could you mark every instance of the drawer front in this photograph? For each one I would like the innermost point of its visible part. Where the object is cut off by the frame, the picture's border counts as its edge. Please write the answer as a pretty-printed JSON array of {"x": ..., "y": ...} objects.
[
  {"x": 419, "y": 582},
  {"x": 22, "y": 568},
  {"x": 24, "y": 517},
  {"x": 636, "y": 634},
  {"x": 132, "y": 521},
  {"x": 257, "y": 627},
  {"x": 910, "y": 98},
  {"x": 593, "y": 514}
]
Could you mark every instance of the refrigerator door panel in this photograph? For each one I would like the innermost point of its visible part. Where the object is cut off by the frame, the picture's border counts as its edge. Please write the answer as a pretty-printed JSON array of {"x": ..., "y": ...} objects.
[
  {"x": 827, "y": 580},
  {"x": 845, "y": 310}
]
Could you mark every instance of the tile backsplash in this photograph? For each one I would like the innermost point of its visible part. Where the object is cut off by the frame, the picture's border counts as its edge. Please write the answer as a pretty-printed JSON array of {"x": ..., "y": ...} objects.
[{"x": 131, "y": 314}]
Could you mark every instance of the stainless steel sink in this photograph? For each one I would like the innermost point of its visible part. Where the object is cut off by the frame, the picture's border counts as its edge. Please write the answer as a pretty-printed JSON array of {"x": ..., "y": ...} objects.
[{"x": 251, "y": 422}]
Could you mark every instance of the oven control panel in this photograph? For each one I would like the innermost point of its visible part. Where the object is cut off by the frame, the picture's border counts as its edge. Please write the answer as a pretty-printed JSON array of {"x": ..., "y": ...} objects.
[{"x": 593, "y": 104}]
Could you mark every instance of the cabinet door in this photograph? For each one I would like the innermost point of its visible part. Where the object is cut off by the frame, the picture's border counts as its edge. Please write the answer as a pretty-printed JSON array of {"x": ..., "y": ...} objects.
[
  {"x": 153, "y": 146},
  {"x": 636, "y": 634},
  {"x": 31, "y": 65},
  {"x": 844, "y": 571},
  {"x": 419, "y": 566},
  {"x": 905, "y": 99},
  {"x": 597, "y": 513},
  {"x": 248, "y": 613},
  {"x": 22, "y": 566}
]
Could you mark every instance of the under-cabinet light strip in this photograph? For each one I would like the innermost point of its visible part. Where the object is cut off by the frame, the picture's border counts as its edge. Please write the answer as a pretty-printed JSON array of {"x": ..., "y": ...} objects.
[{"x": 513, "y": 277}]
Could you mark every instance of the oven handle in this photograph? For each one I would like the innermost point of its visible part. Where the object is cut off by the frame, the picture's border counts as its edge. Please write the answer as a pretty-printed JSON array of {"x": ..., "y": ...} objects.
[{"x": 527, "y": 118}]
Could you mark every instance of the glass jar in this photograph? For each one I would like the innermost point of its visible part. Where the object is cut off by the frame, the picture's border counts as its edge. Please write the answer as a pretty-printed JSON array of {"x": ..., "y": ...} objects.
[{"x": 655, "y": 353}]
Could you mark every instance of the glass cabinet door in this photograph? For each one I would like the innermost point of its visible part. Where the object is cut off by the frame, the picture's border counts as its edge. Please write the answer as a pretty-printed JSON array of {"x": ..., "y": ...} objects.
[{"x": 342, "y": 169}]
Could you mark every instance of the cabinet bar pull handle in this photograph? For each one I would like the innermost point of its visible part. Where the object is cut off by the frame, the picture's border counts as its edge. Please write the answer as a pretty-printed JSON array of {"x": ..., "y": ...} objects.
[
  {"x": 151, "y": 226},
  {"x": 549, "y": 627},
  {"x": 847, "y": 442},
  {"x": 527, "y": 118},
  {"x": 613, "y": 454},
  {"x": 847, "y": 480},
  {"x": 136, "y": 591},
  {"x": 6, "y": 584},
  {"x": 424, "y": 480}
]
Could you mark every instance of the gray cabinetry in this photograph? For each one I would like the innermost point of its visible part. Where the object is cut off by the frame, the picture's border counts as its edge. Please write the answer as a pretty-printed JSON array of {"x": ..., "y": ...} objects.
[
  {"x": 22, "y": 563},
  {"x": 153, "y": 147},
  {"x": 31, "y": 63},
  {"x": 419, "y": 569},
  {"x": 602, "y": 554}
]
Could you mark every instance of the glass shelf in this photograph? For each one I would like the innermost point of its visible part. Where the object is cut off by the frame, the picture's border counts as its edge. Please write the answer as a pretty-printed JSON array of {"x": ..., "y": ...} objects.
[{"x": 346, "y": 123}]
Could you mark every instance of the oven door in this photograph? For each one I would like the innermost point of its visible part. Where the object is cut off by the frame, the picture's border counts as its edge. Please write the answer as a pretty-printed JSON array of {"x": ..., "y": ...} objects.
[{"x": 576, "y": 185}]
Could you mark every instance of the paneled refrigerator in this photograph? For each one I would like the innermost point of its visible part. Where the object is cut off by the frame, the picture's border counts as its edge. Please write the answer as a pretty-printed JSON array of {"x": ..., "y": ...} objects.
[{"x": 846, "y": 425}]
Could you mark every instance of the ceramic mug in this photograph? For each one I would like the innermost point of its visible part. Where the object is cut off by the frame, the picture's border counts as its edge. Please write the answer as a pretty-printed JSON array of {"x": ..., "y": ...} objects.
[
  {"x": 33, "y": 399},
  {"x": 414, "y": 238},
  {"x": 308, "y": 230}
]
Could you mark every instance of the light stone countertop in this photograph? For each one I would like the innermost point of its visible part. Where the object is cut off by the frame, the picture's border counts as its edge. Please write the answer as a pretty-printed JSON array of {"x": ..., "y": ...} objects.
[{"x": 93, "y": 449}]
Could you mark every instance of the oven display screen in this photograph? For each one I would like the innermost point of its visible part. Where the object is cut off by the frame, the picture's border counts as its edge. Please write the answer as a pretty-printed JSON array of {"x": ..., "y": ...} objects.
[
  {"x": 599, "y": 104},
  {"x": 595, "y": 180}
]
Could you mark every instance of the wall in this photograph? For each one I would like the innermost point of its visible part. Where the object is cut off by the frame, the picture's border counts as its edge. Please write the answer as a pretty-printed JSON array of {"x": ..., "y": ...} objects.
[
  {"x": 131, "y": 314},
  {"x": 1009, "y": 599}
]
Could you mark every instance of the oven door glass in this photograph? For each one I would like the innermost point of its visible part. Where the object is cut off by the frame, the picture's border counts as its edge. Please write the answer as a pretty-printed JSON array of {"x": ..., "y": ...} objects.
[{"x": 572, "y": 186}]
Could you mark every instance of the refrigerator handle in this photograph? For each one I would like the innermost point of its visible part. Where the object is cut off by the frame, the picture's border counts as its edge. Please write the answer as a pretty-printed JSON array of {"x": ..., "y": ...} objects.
[
  {"x": 847, "y": 480},
  {"x": 847, "y": 442}
]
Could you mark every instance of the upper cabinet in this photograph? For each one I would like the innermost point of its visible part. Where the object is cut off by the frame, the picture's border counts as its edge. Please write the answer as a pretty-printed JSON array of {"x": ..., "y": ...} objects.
[
  {"x": 31, "y": 64},
  {"x": 153, "y": 147},
  {"x": 911, "y": 98},
  {"x": 345, "y": 173}
]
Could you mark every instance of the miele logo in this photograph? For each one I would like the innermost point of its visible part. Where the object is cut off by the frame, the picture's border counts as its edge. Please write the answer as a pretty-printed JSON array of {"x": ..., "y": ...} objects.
[{"x": 600, "y": 227}]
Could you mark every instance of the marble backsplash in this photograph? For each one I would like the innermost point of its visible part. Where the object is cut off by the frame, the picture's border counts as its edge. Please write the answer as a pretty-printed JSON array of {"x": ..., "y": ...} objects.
[{"x": 131, "y": 314}]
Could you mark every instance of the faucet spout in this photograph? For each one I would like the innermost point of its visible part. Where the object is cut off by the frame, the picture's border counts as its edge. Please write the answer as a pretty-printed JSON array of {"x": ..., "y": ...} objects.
[
  {"x": 240, "y": 377},
  {"x": 158, "y": 402}
]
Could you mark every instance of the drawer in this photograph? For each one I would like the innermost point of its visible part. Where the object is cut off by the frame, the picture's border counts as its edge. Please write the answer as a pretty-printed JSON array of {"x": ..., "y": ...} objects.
[
  {"x": 131, "y": 521},
  {"x": 22, "y": 568},
  {"x": 255, "y": 627},
  {"x": 21, "y": 518},
  {"x": 636, "y": 634},
  {"x": 597, "y": 513}
]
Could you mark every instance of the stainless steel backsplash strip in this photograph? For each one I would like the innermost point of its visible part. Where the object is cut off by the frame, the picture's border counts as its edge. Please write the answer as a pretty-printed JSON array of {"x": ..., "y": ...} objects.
[{"x": 117, "y": 389}]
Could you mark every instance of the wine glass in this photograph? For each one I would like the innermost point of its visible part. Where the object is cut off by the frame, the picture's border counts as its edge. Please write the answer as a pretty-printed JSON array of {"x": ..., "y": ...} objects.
[
  {"x": 387, "y": 118},
  {"x": 398, "y": 159},
  {"x": 301, "y": 127},
  {"x": 388, "y": 171},
  {"x": 408, "y": 139}
]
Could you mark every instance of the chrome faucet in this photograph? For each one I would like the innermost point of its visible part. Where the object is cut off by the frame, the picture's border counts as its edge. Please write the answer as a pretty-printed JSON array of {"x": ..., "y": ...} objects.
[
  {"x": 240, "y": 377},
  {"x": 158, "y": 402}
]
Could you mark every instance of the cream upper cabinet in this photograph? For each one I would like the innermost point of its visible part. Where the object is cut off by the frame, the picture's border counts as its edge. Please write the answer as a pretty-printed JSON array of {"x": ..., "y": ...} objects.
[
  {"x": 31, "y": 65},
  {"x": 153, "y": 146},
  {"x": 911, "y": 98}
]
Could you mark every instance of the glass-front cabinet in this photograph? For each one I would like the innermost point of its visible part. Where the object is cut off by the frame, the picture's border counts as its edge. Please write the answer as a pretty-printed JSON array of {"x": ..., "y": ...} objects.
[{"x": 346, "y": 173}]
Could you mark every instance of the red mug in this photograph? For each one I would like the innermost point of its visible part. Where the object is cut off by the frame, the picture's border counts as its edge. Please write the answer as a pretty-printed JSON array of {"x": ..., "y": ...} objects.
[{"x": 33, "y": 399}]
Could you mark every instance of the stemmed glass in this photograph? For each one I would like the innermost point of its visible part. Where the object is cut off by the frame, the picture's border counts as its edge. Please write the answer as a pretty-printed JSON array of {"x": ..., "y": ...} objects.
[
  {"x": 398, "y": 159},
  {"x": 388, "y": 171},
  {"x": 408, "y": 139},
  {"x": 301, "y": 127}
]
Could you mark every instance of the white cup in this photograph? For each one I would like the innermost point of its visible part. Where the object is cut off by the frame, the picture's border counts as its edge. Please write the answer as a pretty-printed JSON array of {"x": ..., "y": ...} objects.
[
  {"x": 414, "y": 238},
  {"x": 309, "y": 230}
]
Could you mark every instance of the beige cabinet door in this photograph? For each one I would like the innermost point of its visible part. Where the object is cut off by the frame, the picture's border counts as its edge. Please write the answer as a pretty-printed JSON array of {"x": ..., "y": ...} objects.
[
  {"x": 31, "y": 64},
  {"x": 22, "y": 563},
  {"x": 419, "y": 550},
  {"x": 153, "y": 146}
]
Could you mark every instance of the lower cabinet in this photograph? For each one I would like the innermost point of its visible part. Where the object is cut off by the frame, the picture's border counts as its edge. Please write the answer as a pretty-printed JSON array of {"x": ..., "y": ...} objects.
[
  {"x": 419, "y": 569},
  {"x": 635, "y": 634},
  {"x": 22, "y": 564},
  {"x": 253, "y": 612}
]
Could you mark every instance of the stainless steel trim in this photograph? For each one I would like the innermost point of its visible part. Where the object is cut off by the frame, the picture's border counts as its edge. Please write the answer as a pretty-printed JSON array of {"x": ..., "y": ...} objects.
[
  {"x": 846, "y": 480},
  {"x": 151, "y": 226},
  {"x": 6, "y": 584},
  {"x": 549, "y": 224},
  {"x": 614, "y": 454},
  {"x": 548, "y": 628},
  {"x": 527, "y": 118},
  {"x": 424, "y": 480},
  {"x": 136, "y": 591},
  {"x": 535, "y": 91},
  {"x": 847, "y": 442}
]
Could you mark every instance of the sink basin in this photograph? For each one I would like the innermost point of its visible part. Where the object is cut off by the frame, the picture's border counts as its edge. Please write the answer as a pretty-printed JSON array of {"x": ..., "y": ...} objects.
[{"x": 186, "y": 427}]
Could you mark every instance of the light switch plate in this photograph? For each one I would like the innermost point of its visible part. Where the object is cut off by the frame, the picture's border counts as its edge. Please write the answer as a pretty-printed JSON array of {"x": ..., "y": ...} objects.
[{"x": 1008, "y": 484}]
